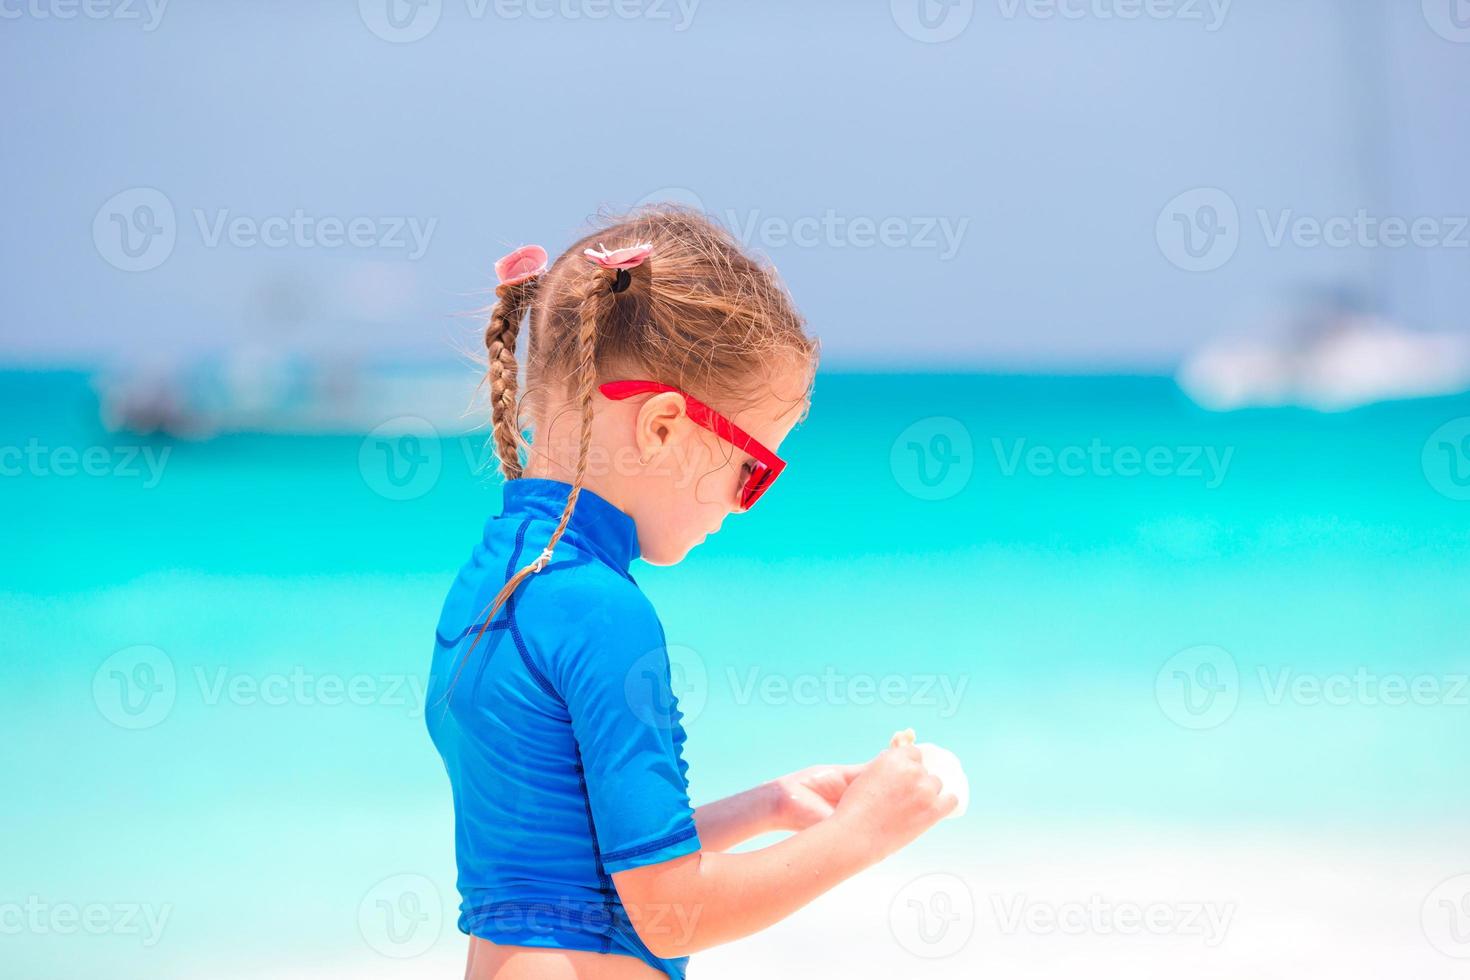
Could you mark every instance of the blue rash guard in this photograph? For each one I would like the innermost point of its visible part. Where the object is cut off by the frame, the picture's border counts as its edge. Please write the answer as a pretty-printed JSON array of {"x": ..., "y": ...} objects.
[{"x": 562, "y": 736}]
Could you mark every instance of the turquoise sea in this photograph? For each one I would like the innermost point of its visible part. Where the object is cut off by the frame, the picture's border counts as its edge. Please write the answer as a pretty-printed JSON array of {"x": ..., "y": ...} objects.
[{"x": 1127, "y": 615}]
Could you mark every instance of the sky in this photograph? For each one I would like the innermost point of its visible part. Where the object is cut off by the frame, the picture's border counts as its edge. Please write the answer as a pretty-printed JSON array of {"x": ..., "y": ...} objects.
[{"x": 1052, "y": 185}]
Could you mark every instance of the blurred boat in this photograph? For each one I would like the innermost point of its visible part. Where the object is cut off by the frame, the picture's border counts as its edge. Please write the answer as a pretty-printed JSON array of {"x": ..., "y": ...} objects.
[
  {"x": 1329, "y": 362},
  {"x": 257, "y": 392}
]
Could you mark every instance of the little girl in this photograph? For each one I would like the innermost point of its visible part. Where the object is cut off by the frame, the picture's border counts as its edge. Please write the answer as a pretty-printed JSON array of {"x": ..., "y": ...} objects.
[{"x": 664, "y": 369}]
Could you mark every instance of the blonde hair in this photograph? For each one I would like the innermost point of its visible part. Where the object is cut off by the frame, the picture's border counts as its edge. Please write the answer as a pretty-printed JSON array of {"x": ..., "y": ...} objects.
[{"x": 700, "y": 314}]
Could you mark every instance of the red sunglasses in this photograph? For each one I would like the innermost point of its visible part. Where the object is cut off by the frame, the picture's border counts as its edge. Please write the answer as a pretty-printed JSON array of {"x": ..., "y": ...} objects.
[{"x": 765, "y": 465}]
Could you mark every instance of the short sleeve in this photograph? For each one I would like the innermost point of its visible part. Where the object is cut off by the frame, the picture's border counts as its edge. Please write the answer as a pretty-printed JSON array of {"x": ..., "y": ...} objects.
[{"x": 629, "y": 731}]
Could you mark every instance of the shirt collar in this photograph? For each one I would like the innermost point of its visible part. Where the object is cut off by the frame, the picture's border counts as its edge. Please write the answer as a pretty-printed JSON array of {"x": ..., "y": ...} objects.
[{"x": 595, "y": 524}]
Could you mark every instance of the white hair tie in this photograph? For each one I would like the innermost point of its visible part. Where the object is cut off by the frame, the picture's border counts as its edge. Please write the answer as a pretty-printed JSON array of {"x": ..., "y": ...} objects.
[{"x": 541, "y": 561}]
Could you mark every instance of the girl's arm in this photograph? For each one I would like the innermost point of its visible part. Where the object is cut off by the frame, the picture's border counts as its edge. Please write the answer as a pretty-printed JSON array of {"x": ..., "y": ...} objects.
[
  {"x": 792, "y": 802},
  {"x": 703, "y": 899},
  {"x": 736, "y": 819}
]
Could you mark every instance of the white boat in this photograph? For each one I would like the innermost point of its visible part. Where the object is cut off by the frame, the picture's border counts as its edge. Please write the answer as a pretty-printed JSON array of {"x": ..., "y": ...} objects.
[{"x": 1338, "y": 364}]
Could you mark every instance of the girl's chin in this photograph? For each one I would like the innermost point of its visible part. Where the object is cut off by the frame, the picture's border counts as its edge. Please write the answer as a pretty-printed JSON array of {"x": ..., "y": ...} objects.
[{"x": 673, "y": 555}]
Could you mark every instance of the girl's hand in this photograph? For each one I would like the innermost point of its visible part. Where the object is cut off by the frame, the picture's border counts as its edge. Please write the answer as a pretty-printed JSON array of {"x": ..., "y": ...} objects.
[
  {"x": 810, "y": 795},
  {"x": 894, "y": 799}
]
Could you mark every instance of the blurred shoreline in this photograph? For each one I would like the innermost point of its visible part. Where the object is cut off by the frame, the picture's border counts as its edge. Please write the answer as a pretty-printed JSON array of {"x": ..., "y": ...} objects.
[{"x": 211, "y": 398}]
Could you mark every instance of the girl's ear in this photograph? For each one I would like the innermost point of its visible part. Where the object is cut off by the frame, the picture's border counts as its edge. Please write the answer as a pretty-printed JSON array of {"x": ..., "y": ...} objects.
[{"x": 662, "y": 422}]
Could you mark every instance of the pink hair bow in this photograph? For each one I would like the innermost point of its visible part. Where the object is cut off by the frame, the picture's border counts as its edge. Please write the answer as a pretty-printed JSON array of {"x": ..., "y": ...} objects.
[
  {"x": 522, "y": 265},
  {"x": 620, "y": 259}
]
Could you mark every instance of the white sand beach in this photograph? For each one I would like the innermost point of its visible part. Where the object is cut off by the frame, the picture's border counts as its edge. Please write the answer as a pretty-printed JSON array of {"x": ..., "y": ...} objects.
[{"x": 1208, "y": 910}]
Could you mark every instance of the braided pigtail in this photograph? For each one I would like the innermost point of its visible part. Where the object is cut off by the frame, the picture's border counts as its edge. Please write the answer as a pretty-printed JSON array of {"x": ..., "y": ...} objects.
[
  {"x": 519, "y": 274},
  {"x": 501, "y": 331},
  {"x": 595, "y": 305}
]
